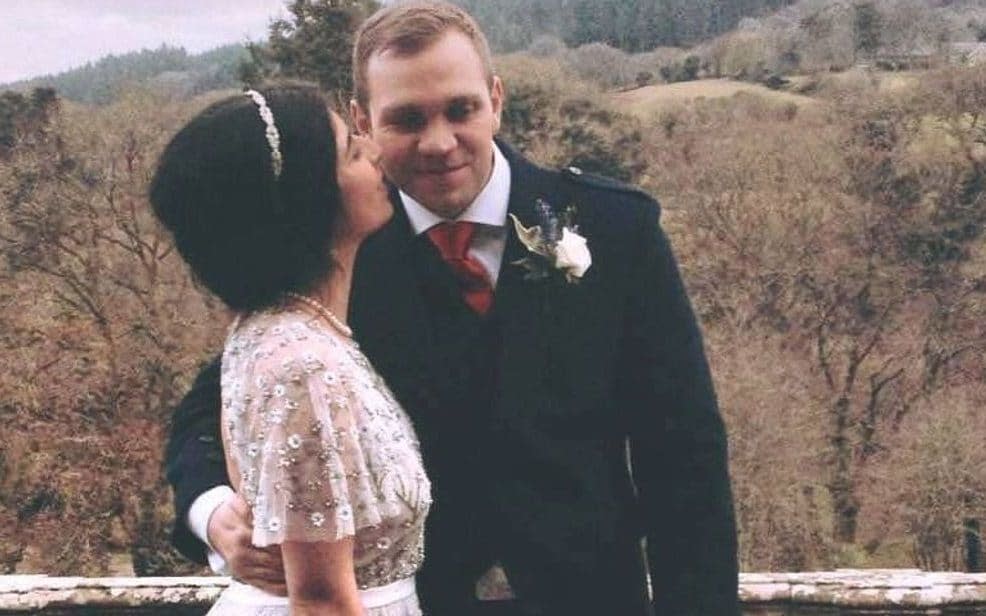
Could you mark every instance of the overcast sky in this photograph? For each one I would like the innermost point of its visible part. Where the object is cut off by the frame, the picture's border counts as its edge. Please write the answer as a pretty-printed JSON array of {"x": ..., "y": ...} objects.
[{"x": 38, "y": 37}]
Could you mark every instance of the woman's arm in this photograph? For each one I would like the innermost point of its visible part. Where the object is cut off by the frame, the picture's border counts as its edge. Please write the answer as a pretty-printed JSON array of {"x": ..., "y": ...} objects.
[{"x": 321, "y": 578}]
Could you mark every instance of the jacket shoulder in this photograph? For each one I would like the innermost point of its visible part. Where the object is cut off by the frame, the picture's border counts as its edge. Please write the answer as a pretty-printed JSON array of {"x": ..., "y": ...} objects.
[
  {"x": 580, "y": 177},
  {"x": 614, "y": 195},
  {"x": 587, "y": 191}
]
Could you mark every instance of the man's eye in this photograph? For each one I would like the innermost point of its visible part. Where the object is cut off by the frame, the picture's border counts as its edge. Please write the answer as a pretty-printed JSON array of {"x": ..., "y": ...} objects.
[
  {"x": 409, "y": 122},
  {"x": 460, "y": 111}
]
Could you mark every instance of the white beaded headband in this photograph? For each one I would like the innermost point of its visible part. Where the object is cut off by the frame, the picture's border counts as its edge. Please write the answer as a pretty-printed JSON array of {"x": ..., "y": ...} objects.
[{"x": 273, "y": 137}]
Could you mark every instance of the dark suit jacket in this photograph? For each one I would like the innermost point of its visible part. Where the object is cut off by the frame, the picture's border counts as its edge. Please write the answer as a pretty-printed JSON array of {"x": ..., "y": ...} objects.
[{"x": 535, "y": 475}]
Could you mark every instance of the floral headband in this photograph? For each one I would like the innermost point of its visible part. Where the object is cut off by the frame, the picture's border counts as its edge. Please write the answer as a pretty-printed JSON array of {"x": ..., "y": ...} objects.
[{"x": 273, "y": 137}]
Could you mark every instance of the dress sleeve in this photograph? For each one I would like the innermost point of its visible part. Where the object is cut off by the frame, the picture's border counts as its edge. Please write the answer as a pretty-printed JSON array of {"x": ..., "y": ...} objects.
[{"x": 303, "y": 469}]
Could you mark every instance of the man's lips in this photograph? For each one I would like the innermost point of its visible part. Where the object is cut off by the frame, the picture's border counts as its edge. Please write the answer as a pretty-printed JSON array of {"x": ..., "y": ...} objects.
[{"x": 439, "y": 171}]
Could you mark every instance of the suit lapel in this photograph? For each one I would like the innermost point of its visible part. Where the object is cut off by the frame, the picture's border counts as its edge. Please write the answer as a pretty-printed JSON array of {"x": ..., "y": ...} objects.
[
  {"x": 512, "y": 290},
  {"x": 520, "y": 304}
]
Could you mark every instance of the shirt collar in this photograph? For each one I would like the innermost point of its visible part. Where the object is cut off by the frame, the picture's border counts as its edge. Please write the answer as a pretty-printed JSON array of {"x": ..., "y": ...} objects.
[{"x": 489, "y": 208}]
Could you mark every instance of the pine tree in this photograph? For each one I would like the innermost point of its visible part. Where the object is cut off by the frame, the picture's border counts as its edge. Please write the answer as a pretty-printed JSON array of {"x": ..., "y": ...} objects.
[{"x": 315, "y": 43}]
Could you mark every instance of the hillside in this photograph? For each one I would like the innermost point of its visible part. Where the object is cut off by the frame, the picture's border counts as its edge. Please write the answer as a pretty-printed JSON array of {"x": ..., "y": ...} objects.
[
  {"x": 167, "y": 70},
  {"x": 631, "y": 25},
  {"x": 618, "y": 43}
]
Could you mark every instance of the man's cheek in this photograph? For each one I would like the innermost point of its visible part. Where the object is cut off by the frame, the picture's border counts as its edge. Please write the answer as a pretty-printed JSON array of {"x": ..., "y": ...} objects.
[{"x": 391, "y": 167}]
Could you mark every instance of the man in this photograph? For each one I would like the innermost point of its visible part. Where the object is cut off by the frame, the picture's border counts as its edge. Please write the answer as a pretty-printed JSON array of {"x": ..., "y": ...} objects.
[{"x": 526, "y": 393}]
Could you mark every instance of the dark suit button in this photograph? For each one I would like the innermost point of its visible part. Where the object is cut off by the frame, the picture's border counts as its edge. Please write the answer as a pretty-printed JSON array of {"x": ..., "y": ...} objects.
[{"x": 207, "y": 438}]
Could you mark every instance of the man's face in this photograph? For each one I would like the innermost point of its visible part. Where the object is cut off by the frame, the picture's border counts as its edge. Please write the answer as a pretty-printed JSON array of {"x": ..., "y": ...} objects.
[{"x": 433, "y": 115}]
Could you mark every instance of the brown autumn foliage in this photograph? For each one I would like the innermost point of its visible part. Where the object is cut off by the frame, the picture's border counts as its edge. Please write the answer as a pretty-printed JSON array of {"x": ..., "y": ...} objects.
[
  {"x": 834, "y": 253},
  {"x": 101, "y": 330},
  {"x": 845, "y": 243}
]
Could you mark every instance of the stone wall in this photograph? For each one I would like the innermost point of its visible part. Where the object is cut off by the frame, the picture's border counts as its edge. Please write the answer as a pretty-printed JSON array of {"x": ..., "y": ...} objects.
[
  {"x": 848, "y": 592},
  {"x": 836, "y": 593}
]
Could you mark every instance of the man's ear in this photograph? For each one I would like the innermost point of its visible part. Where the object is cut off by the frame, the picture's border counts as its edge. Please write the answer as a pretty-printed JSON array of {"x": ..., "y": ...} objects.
[
  {"x": 360, "y": 117},
  {"x": 498, "y": 98}
]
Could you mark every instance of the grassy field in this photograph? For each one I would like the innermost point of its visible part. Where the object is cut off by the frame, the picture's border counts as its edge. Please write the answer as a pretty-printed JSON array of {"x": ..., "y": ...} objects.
[
  {"x": 649, "y": 99},
  {"x": 805, "y": 91}
]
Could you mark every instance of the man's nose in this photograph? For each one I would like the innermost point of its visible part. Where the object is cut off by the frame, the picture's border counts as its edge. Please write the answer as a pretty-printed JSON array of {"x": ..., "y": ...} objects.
[{"x": 437, "y": 139}]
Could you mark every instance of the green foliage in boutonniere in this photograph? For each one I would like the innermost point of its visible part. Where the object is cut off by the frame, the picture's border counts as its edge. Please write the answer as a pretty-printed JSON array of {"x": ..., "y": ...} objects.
[{"x": 554, "y": 244}]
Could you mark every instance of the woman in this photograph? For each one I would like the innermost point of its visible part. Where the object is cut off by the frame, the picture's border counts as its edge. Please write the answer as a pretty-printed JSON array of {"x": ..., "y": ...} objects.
[{"x": 268, "y": 198}]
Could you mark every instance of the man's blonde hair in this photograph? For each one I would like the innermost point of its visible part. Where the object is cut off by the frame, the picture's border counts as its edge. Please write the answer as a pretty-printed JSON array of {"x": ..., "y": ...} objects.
[{"x": 407, "y": 28}]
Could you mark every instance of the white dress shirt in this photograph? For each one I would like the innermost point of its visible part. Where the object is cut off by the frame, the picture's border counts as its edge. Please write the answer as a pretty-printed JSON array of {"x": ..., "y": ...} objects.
[{"x": 489, "y": 212}]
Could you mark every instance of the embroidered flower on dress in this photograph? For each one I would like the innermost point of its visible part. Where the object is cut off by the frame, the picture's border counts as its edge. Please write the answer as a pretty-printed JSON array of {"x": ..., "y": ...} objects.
[
  {"x": 344, "y": 512},
  {"x": 299, "y": 331},
  {"x": 303, "y": 469}
]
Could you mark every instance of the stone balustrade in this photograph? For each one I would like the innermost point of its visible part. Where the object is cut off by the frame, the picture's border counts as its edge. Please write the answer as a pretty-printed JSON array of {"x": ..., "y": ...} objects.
[{"x": 834, "y": 593}]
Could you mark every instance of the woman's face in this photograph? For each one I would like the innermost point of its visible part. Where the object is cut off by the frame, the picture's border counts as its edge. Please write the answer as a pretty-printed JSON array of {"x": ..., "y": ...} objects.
[{"x": 365, "y": 202}]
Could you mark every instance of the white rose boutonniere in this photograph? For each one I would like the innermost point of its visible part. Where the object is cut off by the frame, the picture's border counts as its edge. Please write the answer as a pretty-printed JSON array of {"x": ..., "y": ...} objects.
[
  {"x": 572, "y": 253},
  {"x": 555, "y": 245}
]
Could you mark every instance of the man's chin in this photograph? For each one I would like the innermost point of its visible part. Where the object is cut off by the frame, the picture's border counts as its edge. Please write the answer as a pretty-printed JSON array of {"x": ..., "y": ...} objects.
[
  {"x": 446, "y": 210},
  {"x": 443, "y": 204}
]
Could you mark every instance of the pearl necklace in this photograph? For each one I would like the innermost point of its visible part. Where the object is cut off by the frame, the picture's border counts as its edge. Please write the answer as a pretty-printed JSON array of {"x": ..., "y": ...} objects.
[{"x": 320, "y": 308}]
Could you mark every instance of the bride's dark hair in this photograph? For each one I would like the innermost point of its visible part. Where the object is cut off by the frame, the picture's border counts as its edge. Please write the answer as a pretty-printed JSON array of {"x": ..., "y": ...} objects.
[{"x": 249, "y": 235}]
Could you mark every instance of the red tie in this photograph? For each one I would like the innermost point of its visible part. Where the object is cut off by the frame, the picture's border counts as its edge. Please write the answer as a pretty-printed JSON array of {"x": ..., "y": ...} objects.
[{"x": 452, "y": 240}]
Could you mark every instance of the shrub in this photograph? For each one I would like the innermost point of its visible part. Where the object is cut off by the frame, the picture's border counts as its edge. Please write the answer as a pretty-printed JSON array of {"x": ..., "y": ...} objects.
[
  {"x": 600, "y": 64},
  {"x": 546, "y": 46},
  {"x": 560, "y": 122}
]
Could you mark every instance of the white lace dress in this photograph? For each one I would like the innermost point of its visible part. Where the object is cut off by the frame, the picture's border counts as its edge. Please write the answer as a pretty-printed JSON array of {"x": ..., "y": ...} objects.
[{"x": 319, "y": 447}]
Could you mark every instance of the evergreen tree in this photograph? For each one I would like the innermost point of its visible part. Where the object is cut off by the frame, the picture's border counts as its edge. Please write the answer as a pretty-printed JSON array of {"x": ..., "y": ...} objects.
[
  {"x": 24, "y": 116},
  {"x": 315, "y": 43}
]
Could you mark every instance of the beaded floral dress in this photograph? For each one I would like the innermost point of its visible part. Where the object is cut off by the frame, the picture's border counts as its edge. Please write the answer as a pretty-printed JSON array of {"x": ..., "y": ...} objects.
[{"x": 321, "y": 450}]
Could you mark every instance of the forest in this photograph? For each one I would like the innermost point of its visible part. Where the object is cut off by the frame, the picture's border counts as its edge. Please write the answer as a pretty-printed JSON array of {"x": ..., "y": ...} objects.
[{"x": 827, "y": 211}]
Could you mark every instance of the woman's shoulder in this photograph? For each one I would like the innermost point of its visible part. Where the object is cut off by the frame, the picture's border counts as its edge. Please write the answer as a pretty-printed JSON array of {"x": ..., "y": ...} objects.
[
  {"x": 274, "y": 322},
  {"x": 285, "y": 340}
]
